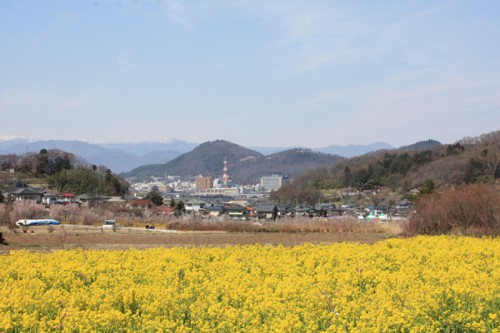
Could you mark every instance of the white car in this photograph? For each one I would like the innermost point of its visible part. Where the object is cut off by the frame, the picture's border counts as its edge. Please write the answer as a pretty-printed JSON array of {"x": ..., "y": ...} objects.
[{"x": 109, "y": 224}]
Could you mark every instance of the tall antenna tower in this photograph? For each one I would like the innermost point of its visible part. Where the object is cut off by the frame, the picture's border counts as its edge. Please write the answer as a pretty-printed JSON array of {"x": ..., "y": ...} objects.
[{"x": 225, "y": 176}]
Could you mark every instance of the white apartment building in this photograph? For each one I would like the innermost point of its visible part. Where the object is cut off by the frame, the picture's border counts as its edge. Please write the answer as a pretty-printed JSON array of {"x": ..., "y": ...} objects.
[{"x": 271, "y": 183}]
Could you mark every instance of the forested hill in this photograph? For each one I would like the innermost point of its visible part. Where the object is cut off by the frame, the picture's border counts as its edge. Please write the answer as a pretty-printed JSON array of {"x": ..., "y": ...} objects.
[
  {"x": 422, "y": 145},
  {"x": 245, "y": 165},
  {"x": 59, "y": 171},
  {"x": 470, "y": 160}
]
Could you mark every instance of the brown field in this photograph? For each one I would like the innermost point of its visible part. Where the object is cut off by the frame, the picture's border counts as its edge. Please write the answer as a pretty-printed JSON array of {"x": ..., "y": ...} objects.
[{"x": 44, "y": 238}]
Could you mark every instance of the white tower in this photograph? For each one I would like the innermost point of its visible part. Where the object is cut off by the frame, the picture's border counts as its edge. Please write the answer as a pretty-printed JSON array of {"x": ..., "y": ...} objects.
[{"x": 225, "y": 176}]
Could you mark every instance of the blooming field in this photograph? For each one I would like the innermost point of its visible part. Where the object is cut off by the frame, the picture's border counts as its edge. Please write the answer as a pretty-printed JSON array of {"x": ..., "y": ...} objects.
[{"x": 423, "y": 284}]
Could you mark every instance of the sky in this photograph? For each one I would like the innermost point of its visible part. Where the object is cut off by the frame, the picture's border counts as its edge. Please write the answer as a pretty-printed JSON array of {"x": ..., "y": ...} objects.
[{"x": 255, "y": 73}]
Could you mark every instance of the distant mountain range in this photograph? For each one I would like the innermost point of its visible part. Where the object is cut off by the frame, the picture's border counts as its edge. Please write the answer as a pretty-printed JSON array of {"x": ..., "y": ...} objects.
[
  {"x": 355, "y": 150},
  {"x": 124, "y": 157},
  {"x": 246, "y": 166},
  {"x": 119, "y": 157}
]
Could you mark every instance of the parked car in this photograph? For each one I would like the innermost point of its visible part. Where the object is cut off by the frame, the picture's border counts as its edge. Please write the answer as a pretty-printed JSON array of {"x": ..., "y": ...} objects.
[{"x": 109, "y": 224}]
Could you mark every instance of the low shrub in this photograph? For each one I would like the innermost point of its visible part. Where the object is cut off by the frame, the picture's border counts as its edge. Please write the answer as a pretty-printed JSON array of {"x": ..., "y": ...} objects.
[
  {"x": 89, "y": 217},
  {"x": 28, "y": 210},
  {"x": 294, "y": 225},
  {"x": 467, "y": 210}
]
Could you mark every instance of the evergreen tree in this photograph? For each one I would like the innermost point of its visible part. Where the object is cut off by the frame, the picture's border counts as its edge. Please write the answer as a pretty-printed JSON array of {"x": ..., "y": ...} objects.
[
  {"x": 155, "y": 196},
  {"x": 179, "y": 208}
]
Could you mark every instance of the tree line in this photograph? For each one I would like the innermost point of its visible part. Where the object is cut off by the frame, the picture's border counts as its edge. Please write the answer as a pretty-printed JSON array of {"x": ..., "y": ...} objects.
[
  {"x": 64, "y": 172},
  {"x": 464, "y": 162}
]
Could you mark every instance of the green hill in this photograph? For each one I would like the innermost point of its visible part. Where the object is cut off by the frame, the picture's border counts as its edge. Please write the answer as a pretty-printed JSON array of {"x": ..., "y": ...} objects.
[
  {"x": 245, "y": 165},
  {"x": 469, "y": 160}
]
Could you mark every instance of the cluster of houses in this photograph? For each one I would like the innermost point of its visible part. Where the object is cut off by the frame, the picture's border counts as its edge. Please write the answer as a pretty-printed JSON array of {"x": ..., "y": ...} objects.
[
  {"x": 260, "y": 211},
  {"x": 23, "y": 194},
  {"x": 211, "y": 207},
  {"x": 191, "y": 207}
]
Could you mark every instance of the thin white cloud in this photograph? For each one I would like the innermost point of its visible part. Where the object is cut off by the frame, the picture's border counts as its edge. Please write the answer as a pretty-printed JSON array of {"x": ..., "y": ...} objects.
[
  {"x": 335, "y": 95},
  {"x": 59, "y": 23},
  {"x": 23, "y": 102},
  {"x": 302, "y": 25},
  {"x": 334, "y": 34},
  {"x": 125, "y": 64},
  {"x": 177, "y": 12},
  {"x": 348, "y": 70},
  {"x": 450, "y": 86},
  {"x": 436, "y": 102},
  {"x": 15, "y": 101}
]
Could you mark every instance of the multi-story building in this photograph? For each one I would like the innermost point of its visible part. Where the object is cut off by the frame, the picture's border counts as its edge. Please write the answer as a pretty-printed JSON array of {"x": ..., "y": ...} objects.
[
  {"x": 271, "y": 183},
  {"x": 222, "y": 191},
  {"x": 203, "y": 183}
]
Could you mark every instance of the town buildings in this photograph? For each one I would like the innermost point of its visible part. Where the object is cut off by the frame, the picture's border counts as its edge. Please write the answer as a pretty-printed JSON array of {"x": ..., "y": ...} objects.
[
  {"x": 203, "y": 183},
  {"x": 271, "y": 183}
]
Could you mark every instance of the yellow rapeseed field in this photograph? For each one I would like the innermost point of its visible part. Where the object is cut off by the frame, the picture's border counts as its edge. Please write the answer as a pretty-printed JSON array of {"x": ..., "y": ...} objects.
[{"x": 422, "y": 284}]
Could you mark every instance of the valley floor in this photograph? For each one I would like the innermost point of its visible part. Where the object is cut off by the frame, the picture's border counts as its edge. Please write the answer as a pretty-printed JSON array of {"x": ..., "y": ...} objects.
[{"x": 88, "y": 237}]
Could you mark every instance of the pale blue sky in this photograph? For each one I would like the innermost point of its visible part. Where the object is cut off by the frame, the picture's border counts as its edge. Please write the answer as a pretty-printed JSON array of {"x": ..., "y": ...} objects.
[{"x": 256, "y": 73}]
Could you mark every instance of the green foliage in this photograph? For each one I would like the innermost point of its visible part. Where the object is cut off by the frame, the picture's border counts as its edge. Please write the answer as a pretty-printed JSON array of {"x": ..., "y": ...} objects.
[
  {"x": 401, "y": 164},
  {"x": 327, "y": 183},
  {"x": 422, "y": 157},
  {"x": 428, "y": 187},
  {"x": 46, "y": 164},
  {"x": 382, "y": 172},
  {"x": 83, "y": 180},
  {"x": 483, "y": 169},
  {"x": 387, "y": 160},
  {"x": 113, "y": 185},
  {"x": 80, "y": 180},
  {"x": 454, "y": 149},
  {"x": 366, "y": 178},
  {"x": 155, "y": 196},
  {"x": 347, "y": 178},
  {"x": 387, "y": 170},
  {"x": 59, "y": 170},
  {"x": 473, "y": 160},
  {"x": 180, "y": 208}
]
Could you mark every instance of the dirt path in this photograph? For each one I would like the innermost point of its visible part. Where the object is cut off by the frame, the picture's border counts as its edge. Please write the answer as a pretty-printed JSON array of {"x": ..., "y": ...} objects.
[{"x": 43, "y": 238}]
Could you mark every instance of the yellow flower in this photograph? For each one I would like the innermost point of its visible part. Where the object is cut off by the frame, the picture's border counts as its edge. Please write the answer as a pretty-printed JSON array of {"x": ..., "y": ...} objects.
[{"x": 423, "y": 284}]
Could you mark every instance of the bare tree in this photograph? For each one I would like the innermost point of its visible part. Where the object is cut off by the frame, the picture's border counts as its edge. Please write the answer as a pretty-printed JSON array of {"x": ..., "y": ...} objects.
[
  {"x": 471, "y": 209},
  {"x": 491, "y": 162}
]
